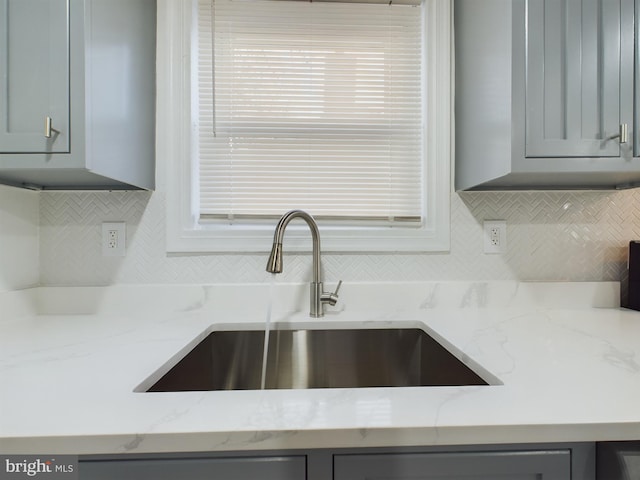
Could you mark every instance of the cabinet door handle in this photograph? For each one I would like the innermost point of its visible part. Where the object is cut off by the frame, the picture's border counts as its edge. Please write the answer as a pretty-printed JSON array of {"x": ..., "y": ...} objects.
[
  {"x": 48, "y": 128},
  {"x": 623, "y": 135}
]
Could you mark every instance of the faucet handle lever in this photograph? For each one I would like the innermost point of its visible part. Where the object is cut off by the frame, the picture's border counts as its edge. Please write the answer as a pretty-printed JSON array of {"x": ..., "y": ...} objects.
[{"x": 331, "y": 298}]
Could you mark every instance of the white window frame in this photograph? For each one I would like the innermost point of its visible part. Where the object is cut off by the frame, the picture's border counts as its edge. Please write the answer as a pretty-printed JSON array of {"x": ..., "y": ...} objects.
[{"x": 176, "y": 139}]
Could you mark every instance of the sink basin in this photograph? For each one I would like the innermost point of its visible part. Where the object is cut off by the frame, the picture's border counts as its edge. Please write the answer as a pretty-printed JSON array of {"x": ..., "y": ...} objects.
[{"x": 336, "y": 358}]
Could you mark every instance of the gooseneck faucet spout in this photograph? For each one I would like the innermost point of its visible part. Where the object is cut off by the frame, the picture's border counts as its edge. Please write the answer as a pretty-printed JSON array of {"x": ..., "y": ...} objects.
[{"x": 274, "y": 265}]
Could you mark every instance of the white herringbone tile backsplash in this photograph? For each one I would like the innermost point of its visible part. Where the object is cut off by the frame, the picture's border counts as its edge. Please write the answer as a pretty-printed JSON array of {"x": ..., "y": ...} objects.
[{"x": 570, "y": 236}]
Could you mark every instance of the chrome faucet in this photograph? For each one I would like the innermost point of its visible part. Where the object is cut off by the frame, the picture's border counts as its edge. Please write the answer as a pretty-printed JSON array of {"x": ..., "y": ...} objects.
[{"x": 317, "y": 297}]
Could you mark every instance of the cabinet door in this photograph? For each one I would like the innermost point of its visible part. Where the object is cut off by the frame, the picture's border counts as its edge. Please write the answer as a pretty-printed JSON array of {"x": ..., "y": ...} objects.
[
  {"x": 34, "y": 75},
  {"x": 533, "y": 465},
  {"x": 238, "y": 468},
  {"x": 573, "y": 78},
  {"x": 618, "y": 460}
]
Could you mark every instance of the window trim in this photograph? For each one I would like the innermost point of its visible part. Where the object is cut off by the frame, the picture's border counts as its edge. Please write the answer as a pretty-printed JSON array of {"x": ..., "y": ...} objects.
[{"x": 176, "y": 141}]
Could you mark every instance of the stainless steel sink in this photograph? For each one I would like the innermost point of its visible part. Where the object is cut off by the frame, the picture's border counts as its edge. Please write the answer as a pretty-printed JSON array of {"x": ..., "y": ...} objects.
[{"x": 352, "y": 358}]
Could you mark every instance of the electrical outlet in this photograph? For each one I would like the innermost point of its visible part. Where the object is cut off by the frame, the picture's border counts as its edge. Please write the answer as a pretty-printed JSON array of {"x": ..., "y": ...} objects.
[
  {"x": 495, "y": 236},
  {"x": 114, "y": 239}
]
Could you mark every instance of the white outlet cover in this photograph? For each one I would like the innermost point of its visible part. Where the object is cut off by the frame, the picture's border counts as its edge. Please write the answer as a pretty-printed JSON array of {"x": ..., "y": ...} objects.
[
  {"x": 120, "y": 249},
  {"x": 500, "y": 245}
]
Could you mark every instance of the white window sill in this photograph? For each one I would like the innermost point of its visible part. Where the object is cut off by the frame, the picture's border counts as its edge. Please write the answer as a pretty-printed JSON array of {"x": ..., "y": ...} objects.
[{"x": 298, "y": 238}]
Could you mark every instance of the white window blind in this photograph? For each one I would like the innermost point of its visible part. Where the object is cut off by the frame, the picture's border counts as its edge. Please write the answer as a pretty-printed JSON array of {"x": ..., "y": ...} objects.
[{"x": 312, "y": 105}]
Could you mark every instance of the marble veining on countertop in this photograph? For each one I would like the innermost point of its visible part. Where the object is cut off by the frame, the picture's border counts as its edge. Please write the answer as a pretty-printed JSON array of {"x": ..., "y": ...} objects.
[{"x": 565, "y": 357}]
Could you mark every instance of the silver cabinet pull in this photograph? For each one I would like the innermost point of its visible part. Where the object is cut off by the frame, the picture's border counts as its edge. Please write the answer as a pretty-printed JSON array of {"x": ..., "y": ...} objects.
[
  {"x": 48, "y": 128},
  {"x": 623, "y": 135}
]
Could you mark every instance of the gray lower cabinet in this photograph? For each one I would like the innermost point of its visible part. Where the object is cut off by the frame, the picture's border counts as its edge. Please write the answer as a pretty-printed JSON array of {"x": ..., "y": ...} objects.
[
  {"x": 533, "y": 465},
  {"x": 574, "y": 461},
  {"x": 243, "y": 468},
  {"x": 77, "y": 93},
  {"x": 545, "y": 94},
  {"x": 618, "y": 460}
]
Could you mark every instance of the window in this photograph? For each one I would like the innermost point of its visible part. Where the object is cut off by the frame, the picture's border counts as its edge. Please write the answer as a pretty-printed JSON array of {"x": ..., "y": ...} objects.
[
  {"x": 339, "y": 108},
  {"x": 315, "y": 105}
]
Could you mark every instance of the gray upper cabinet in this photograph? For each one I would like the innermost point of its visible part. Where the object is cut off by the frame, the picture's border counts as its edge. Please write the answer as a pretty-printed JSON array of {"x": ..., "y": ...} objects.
[
  {"x": 545, "y": 94},
  {"x": 34, "y": 75},
  {"x": 77, "y": 94},
  {"x": 573, "y": 106}
]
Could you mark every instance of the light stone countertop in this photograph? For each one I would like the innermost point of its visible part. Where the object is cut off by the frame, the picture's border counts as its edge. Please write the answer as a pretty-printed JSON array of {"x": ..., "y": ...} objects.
[{"x": 564, "y": 360}]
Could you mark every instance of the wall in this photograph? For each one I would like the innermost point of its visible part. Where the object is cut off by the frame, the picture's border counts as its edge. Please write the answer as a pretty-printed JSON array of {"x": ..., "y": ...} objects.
[
  {"x": 573, "y": 236},
  {"x": 19, "y": 243},
  {"x": 551, "y": 236}
]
